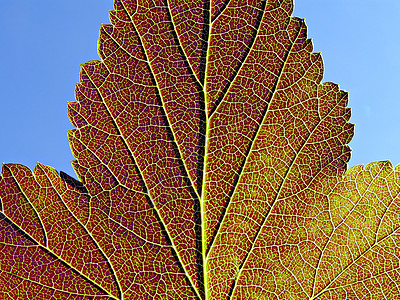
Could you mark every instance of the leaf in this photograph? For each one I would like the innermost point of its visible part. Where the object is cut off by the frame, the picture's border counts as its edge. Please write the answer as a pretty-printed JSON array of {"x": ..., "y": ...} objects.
[{"x": 212, "y": 165}]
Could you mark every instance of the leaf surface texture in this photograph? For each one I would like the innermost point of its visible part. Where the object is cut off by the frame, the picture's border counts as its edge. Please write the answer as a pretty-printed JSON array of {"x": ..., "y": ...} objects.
[{"x": 212, "y": 165}]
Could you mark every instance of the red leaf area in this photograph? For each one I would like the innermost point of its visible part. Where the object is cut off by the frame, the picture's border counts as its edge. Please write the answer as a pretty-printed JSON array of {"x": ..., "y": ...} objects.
[{"x": 212, "y": 165}]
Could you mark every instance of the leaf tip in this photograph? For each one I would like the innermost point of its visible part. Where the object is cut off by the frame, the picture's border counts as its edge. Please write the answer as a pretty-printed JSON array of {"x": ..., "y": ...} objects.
[{"x": 38, "y": 166}]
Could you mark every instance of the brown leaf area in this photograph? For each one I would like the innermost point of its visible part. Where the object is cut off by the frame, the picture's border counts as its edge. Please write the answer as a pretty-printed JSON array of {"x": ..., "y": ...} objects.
[{"x": 212, "y": 165}]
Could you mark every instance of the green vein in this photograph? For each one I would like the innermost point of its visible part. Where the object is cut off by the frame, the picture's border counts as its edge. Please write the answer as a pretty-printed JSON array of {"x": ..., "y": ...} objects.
[
  {"x": 244, "y": 59},
  {"x": 135, "y": 234},
  {"x": 255, "y": 135},
  {"x": 115, "y": 177},
  {"x": 31, "y": 205},
  {"x": 252, "y": 142},
  {"x": 180, "y": 45},
  {"x": 221, "y": 11},
  {"x": 204, "y": 180},
  {"x": 114, "y": 273},
  {"x": 288, "y": 171},
  {"x": 192, "y": 75},
  {"x": 289, "y": 168},
  {"x": 158, "y": 90},
  {"x": 156, "y": 211},
  {"x": 106, "y": 166}
]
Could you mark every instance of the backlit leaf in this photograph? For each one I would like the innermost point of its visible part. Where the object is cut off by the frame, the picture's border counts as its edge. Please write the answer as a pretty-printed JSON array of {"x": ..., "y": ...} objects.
[{"x": 212, "y": 165}]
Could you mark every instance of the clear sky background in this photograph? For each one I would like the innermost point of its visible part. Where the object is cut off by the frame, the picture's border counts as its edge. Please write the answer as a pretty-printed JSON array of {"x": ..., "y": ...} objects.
[{"x": 44, "y": 42}]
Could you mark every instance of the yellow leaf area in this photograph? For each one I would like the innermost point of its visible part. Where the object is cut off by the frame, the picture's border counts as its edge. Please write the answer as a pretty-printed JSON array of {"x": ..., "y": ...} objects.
[
  {"x": 212, "y": 164},
  {"x": 345, "y": 245}
]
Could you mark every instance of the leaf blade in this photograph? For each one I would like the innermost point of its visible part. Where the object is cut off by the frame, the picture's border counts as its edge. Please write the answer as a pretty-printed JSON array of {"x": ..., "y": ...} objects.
[
  {"x": 212, "y": 161},
  {"x": 66, "y": 257},
  {"x": 140, "y": 124}
]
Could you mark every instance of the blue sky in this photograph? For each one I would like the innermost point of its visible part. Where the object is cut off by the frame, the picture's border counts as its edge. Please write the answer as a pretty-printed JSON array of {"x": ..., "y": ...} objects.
[{"x": 44, "y": 42}]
